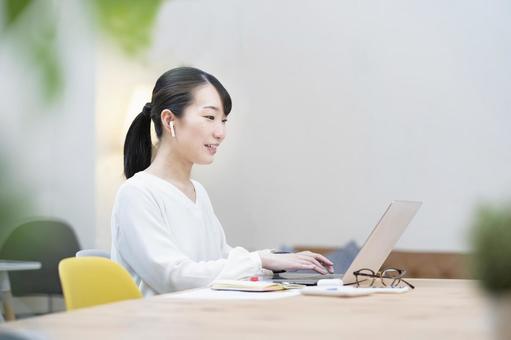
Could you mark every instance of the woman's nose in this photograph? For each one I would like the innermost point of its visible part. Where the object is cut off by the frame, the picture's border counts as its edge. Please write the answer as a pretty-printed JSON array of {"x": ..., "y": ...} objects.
[{"x": 219, "y": 132}]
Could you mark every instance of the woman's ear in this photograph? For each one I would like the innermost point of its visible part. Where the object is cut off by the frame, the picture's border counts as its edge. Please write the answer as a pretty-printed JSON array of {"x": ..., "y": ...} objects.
[
  {"x": 167, "y": 121},
  {"x": 166, "y": 117}
]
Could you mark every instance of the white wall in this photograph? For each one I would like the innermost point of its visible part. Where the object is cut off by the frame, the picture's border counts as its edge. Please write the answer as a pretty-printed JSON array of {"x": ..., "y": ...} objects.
[
  {"x": 50, "y": 147},
  {"x": 120, "y": 87},
  {"x": 341, "y": 107}
]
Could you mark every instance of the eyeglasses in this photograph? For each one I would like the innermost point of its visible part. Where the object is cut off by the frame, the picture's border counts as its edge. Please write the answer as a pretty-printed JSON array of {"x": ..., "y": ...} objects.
[{"x": 390, "y": 277}]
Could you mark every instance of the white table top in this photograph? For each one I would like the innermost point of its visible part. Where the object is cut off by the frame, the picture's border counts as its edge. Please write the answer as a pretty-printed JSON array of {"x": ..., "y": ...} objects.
[{"x": 9, "y": 265}]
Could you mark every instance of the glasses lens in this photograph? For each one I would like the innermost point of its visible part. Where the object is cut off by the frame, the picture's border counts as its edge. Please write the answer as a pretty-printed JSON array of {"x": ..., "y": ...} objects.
[
  {"x": 391, "y": 277},
  {"x": 365, "y": 278}
]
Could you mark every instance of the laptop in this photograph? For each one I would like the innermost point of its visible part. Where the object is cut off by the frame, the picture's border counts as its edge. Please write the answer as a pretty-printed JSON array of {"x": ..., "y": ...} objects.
[{"x": 375, "y": 250}]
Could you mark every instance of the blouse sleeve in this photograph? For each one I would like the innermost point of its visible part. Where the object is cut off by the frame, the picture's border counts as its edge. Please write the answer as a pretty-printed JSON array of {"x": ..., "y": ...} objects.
[{"x": 148, "y": 246}]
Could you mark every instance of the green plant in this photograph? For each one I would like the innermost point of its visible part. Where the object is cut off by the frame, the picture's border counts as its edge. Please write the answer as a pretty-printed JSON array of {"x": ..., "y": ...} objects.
[{"x": 491, "y": 240}]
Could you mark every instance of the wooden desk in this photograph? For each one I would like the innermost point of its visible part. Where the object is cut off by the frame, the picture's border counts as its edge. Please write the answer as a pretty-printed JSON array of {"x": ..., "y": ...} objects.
[{"x": 437, "y": 309}]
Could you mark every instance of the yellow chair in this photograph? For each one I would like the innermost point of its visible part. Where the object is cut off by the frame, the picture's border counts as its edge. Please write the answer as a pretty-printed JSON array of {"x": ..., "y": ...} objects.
[{"x": 91, "y": 281}]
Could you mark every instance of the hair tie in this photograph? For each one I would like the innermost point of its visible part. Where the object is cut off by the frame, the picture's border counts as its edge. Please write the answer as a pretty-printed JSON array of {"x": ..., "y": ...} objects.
[{"x": 146, "y": 111}]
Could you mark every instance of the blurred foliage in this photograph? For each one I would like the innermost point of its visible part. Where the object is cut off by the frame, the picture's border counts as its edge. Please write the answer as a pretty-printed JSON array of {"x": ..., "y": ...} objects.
[
  {"x": 12, "y": 10},
  {"x": 36, "y": 41},
  {"x": 14, "y": 203},
  {"x": 491, "y": 240},
  {"x": 32, "y": 27},
  {"x": 45, "y": 57},
  {"x": 128, "y": 22}
]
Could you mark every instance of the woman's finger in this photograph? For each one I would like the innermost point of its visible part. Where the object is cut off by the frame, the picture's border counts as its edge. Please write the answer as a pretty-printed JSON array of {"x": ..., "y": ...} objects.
[
  {"x": 326, "y": 263},
  {"x": 320, "y": 269},
  {"x": 310, "y": 258},
  {"x": 317, "y": 256},
  {"x": 304, "y": 265},
  {"x": 322, "y": 259},
  {"x": 327, "y": 267},
  {"x": 316, "y": 266}
]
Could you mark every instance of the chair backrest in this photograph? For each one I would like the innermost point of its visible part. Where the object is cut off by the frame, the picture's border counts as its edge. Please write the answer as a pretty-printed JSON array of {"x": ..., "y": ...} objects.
[
  {"x": 91, "y": 281},
  {"x": 93, "y": 252},
  {"x": 46, "y": 241}
]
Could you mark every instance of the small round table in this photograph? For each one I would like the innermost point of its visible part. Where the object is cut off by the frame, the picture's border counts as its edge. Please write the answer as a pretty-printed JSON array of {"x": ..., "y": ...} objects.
[{"x": 5, "y": 286}]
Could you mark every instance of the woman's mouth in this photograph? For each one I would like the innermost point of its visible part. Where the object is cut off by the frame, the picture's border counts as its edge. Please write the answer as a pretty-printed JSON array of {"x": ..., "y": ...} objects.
[{"x": 211, "y": 148}]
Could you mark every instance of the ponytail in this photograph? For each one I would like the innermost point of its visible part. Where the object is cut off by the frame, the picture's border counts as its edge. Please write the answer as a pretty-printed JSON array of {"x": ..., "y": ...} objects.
[{"x": 137, "y": 146}]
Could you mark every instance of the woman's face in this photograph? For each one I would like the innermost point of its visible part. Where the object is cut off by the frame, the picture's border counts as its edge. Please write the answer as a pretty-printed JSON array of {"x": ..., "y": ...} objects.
[{"x": 201, "y": 129}]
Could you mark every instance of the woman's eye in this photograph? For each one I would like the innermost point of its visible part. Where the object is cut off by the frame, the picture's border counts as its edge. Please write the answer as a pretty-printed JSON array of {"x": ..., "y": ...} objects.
[
  {"x": 210, "y": 117},
  {"x": 224, "y": 121}
]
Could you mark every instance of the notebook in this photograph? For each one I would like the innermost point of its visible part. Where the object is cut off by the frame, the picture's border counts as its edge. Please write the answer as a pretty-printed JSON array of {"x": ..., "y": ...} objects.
[{"x": 251, "y": 286}]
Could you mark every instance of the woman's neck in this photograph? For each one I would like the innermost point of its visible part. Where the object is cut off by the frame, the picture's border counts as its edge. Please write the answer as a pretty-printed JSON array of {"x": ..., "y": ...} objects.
[{"x": 170, "y": 166}]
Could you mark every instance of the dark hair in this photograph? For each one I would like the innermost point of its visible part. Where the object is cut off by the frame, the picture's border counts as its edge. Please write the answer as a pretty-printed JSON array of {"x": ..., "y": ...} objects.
[{"x": 173, "y": 91}]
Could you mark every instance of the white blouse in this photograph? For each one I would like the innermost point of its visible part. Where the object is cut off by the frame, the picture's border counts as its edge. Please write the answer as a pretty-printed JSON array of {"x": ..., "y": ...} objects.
[{"x": 168, "y": 243}]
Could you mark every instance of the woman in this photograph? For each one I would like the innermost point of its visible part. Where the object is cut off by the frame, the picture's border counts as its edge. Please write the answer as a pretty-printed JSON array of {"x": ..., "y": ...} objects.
[{"x": 164, "y": 229}]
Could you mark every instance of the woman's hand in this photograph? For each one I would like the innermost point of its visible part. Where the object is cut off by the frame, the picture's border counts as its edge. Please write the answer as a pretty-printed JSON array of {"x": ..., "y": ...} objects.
[{"x": 296, "y": 261}]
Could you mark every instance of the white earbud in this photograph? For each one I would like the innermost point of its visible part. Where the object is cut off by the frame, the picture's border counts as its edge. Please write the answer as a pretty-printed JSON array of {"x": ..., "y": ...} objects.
[{"x": 172, "y": 131}]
